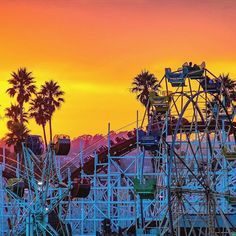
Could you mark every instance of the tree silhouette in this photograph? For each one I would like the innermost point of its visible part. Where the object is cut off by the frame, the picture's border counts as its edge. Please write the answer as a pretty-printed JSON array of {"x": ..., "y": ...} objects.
[
  {"x": 22, "y": 86},
  {"x": 54, "y": 97},
  {"x": 229, "y": 91},
  {"x": 13, "y": 113},
  {"x": 142, "y": 84},
  {"x": 39, "y": 111},
  {"x": 18, "y": 134}
]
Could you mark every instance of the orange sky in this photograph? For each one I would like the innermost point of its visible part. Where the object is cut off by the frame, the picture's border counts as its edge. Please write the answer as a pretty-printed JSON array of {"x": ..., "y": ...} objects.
[{"x": 95, "y": 48}]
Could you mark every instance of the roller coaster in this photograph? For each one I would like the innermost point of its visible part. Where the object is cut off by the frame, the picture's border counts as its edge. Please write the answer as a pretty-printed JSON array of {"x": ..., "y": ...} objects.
[{"x": 174, "y": 174}]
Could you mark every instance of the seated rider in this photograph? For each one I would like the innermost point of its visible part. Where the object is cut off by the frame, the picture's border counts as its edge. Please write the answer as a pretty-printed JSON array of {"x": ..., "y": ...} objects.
[{"x": 196, "y": 67}]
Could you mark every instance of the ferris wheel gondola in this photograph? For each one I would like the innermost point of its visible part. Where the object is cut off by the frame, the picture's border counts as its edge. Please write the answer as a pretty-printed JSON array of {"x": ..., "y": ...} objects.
[
  {"x": 62, "y": 144},
  {"x": 35, "y": 143}
]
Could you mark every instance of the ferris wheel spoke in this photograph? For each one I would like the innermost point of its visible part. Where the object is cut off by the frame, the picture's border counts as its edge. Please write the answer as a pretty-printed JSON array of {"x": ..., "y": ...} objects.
[
  {"x": 187, "y": 167},
  {"x": 190, "y": 222},
  {"x": 199, "y": 218}
]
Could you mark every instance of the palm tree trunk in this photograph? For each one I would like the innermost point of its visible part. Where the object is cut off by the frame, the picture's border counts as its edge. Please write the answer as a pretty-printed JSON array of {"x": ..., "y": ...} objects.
[
  {"x": 45, "y": 137},
  {"x": 50, "y": 128},
  {"x": 21, "y": 113},
  {"x": 148, "y": 110}
]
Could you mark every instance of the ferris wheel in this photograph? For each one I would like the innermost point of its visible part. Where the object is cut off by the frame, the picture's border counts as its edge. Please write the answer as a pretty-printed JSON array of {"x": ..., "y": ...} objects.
[
  {"x": 34, "y": 199},
  {"x": 191, "y": 135}
]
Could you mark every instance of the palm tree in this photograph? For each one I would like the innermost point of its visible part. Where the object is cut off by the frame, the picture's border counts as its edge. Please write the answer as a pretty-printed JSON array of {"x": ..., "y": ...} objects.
[
  {"x": 230, "y": 88},
  {"x": 229, "y": 95},
  {"x": 22, "y": 87},
  {"x": 13, "y": 112},
  {"x": 142, "y": 84},
  {"x": 54, "y": 96},
  {"x": 18, "y": 134},
  {"x": 38, "y": 111}
]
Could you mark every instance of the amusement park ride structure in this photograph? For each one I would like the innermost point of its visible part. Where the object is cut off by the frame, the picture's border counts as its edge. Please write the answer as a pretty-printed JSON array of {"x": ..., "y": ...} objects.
[{"x": 175, "y": 176}]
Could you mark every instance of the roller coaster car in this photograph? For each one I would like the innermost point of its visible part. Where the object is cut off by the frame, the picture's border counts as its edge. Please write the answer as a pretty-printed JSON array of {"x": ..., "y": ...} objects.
[
  {"x": 145, "y": 190},
  {"x": 17, "y": 186},
  {"x": 161, "y": 103},
  {"x": 80, "y": 188},
  {"x": 119, "y": 140},
  {"x": 130, "y": 134},
  {"x": 61, "y": 144},
  {"x": 230, "y": 156},
  {"x": 149, "y": 141},
  {"x": 176, "y": 78},
  {"x": 210, "y": 85},
  {"x": 35, "y": 143},
  {"x": 102, "y": 149},
  {"x": 112, "y": 143}
]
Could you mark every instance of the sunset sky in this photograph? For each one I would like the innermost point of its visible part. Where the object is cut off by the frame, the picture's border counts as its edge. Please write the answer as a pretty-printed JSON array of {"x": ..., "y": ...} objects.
[{"x": 93, "y": 49}]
